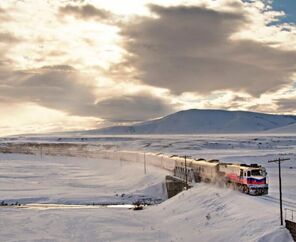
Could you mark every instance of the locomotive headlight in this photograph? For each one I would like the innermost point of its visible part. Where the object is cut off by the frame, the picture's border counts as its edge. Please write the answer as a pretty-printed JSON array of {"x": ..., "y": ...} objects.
[{"x": 264, "y": 172}]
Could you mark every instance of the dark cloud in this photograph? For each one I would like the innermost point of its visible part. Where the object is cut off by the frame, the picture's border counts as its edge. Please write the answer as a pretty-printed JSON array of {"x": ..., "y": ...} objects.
[
  {"x": 137, "y": 107},
  {"x": 53, "y": 88},
  {"x": 8, "y": 38},
  {"x": 59, "y": 87},
  {"x": 3, "y": 15},
  {"x": 188, "y": 49},
  {"x": 59, "y": 68},
  {"x": 85, "y": 12},
  {"x": 286, "y": 105}
]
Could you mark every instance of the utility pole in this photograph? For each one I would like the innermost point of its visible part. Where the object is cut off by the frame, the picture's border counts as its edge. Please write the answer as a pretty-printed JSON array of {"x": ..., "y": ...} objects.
[
  {"x": 279, "y": 160},
  {"x": 186, "y": 175},
  {"x": 145, "y": 163},
  {"x": 119, "y": 157},
  {"x": 41, "y": 151},
  {"x": 186, "y": 172}
]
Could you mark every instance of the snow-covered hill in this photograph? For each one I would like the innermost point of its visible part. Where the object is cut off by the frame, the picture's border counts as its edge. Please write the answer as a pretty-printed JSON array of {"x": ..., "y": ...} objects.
[
  {"x": 196, "y": 121},
  {"x": 289, "y": 129}
]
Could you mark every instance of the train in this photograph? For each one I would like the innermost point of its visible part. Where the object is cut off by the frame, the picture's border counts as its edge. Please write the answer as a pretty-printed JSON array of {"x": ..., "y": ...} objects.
[{"x": 250, "y": 179}]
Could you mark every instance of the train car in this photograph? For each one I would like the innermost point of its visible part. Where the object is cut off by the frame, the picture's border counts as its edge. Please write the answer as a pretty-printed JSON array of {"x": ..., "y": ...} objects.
[
  {"x": 205, "y": 171},
  {"x": 197, "y": 170},
  {"x": 250, "y": 179}
]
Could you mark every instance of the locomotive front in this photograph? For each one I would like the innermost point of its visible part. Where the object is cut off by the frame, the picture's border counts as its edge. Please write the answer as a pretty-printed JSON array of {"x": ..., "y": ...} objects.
[
  {"x": 250, "y": 179},
  {"x": 256, "y": 180}
]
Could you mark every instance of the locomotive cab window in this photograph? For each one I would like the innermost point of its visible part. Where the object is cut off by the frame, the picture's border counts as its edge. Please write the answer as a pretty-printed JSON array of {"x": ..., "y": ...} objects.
[{"x": 257, "y": 173}]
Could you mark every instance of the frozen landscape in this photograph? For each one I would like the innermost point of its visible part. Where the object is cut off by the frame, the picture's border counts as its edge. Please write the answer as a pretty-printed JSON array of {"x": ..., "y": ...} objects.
[
  {"x": 65, "y": 195},
  {"x": 147, "y": 120}
]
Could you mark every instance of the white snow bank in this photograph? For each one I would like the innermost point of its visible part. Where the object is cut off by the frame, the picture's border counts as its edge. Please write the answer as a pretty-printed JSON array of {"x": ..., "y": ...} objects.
[
  {"x": 278, "y": 235},
  {"x": 208, "y": 213},
  {"x": 204, "y": 213}
]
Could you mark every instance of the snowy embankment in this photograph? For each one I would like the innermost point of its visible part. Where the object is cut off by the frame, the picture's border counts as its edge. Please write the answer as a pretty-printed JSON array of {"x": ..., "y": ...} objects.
[
  {"x": 203, "y": 213},
  {"x": 208, "y": 213}
]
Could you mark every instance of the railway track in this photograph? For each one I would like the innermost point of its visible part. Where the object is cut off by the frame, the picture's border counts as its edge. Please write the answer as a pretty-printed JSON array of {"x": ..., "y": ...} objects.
[{"x": 286, "y": 203}]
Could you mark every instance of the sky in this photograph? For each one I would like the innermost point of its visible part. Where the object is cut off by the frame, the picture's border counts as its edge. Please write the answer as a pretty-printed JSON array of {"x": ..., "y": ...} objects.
[
  {"x": 85, "y": 64},
  {"x": 287, "y": 6}
]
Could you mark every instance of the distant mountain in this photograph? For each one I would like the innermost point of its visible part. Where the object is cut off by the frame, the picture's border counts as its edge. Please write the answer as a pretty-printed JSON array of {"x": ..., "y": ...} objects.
[{"x": 197, "y": 121}]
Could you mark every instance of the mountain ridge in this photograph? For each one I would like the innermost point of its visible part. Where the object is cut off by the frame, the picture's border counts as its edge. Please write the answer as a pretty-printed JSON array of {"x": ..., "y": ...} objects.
[{"x": 204, "y": 121}]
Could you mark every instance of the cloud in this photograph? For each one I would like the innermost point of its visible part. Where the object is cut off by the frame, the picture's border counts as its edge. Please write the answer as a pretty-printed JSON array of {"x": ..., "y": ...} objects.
[
  {"x": 8, "y": 38},
  {"x": 286, "y": 105},
  {"x": 50, "y": 87},
  {"x": 189, "y": 49},
  {"x": 2, "y": 12},
  {"x": 131, "y": 108},
  {"x": 60, "y": 87},
  {"x": 85, "y": 12},
  {"x": 3, "y": 15},
  {"x": 59, "y": 68}
]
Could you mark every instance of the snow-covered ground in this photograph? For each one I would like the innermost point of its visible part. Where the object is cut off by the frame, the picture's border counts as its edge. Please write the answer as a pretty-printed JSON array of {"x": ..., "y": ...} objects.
[
  {"x": 203, "y": 213},
  {"x": 76, "y": 180}
]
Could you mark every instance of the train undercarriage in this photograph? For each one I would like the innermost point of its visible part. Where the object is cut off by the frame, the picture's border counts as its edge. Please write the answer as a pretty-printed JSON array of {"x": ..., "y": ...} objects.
[{"x": 255, "y": 190}]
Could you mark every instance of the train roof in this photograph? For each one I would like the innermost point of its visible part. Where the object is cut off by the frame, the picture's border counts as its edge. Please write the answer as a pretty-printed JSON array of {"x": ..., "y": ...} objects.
[
  {"x": 205, "y": 162},
  {"x": 213, "y": 162},
  {"x": 242, "y": 166},
  {"x": 200, "y": 162}
]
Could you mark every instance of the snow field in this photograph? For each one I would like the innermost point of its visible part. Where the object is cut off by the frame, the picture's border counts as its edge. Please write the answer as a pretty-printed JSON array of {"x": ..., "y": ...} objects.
[
  {"x": 203, "y": 213},
  {"x": 76, "y": 180}
]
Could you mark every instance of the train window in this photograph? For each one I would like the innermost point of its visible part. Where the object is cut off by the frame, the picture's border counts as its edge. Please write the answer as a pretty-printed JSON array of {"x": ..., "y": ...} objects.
[
  {"x": 256, "y": 172},
  {"x": 249, "y": 173}
]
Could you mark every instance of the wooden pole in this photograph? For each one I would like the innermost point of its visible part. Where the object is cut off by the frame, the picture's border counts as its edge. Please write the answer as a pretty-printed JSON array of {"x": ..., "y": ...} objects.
[
  {"x": 41, "y": 151},
  {"x": 280, "y": 188},
  {"x": 186, "y": 175},
  {"x": 145, "y": 171},
  {"x": 280, "y": 185}
]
